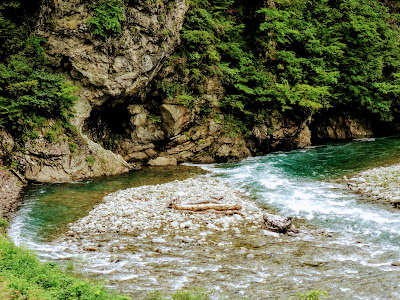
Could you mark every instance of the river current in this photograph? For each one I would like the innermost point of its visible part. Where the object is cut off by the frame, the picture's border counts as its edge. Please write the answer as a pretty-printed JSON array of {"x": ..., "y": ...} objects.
[{"x": 351, "y": 259}]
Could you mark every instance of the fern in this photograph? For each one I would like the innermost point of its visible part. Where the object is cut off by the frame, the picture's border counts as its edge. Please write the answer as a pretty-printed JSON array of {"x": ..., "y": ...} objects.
[{"x": 107, "y": 18}]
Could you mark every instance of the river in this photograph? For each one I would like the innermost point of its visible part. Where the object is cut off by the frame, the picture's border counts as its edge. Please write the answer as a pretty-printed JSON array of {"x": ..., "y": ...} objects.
[{"x": 351, "y": 259}]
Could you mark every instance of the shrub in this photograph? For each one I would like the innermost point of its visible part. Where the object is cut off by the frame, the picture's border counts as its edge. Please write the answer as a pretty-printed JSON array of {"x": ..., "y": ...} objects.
[
  {"x": 30, "y": 279},
  {"x": 90, "y": 160},
  {"x": 3, "y": 223},
  {"x": 341, "y": 54},
  {"x": 312, "y": 295},
  {"x": 28, "y": 95},
  {"x": 29, "y": 92},
  {"x": 107, "y": 18}
]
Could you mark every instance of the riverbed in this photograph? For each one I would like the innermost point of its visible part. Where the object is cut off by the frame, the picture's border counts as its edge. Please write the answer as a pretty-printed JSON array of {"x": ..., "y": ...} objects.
[{"x": 349, "y": 250}]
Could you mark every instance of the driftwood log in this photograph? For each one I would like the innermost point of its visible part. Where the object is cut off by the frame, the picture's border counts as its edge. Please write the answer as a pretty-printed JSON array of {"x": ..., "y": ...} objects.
[
  {"x": 214, "y": 205},
  {"x": 201, "y": 207},
  {"x": 278, "y": 223}
]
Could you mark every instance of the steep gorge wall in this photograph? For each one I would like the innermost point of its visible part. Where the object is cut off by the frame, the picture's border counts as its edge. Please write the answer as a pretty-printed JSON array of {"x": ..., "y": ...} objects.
[
  {"x": 107, "y": 72},
  {"x": 123, "y": 118}
]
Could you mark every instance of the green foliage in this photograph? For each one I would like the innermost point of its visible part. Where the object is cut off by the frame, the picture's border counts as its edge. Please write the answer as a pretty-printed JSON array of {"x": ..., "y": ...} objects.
[
  {"x": 216, "y": 44},
  {"x": 180, "y": 295},
  {"x": 107, "y": 18},
  {"x": 312, "y": 295},
  {"x": 155, "y": 119},
  {"x": 300, "y": 55},
  {"x": 12, "y": 34},
  {"x": 73, "y": 147},
  {"x": 30, "y": 279},
  {"x": 341, "y": 54},
  {"x": 4, "y": 223},
  {"x": 169, "y": 88},
  {"x": 29, "y": 92},
  {"x": 185, "y": 99},
  {"x": 90, "y": 160}
]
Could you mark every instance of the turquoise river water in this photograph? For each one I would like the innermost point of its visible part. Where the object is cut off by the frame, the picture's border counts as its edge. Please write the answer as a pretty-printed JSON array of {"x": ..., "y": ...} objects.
[{"x": 353, "y": 261}]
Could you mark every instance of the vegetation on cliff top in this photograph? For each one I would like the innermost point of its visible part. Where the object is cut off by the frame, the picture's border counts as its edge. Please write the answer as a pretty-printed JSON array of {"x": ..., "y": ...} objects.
[
  {"x": 107, "y": 18},
  {"x": 300, "y": 55},
  {"x": 30, "y": 92},
  {"x": 346, "y": 49}
]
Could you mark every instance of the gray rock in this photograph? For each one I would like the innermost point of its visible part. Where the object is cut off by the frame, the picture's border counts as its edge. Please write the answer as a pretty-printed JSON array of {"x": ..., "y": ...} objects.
[
  {"x": 163, "y": 161},
  {"x": 159, "y": 240}
]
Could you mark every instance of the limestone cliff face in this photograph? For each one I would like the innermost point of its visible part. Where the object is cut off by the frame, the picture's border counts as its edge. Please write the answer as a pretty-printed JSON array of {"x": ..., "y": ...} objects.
[
  {"x": 107, "y": 72},
  {"x": 119, "y": 67},
  {"x": 124, "y": 119}
]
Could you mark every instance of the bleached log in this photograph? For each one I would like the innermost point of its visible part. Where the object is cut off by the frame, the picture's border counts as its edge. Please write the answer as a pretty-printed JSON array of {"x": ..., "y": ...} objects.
[
  {"x": 204, "y": 202},
  {"x": 278, "y": 223},
  {"x": 208, "y": 206}
]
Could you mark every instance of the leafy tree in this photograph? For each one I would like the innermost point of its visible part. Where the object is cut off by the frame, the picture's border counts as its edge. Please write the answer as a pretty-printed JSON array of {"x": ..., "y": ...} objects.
[
  {"x": 344, "y": 51},
  {"x": 300, "y": 55},
  {"x": 29, "y": 91}
]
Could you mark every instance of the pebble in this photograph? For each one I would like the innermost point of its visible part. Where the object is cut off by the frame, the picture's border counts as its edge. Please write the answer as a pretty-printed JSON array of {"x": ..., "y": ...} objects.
[
  {"x": 139, "y": 216},
  {"x": 270, "y": 233},
  {"x": 396, "y": 264},
  {"x": 378, "y": 184},
  {"x": 159, "y": 240},
  {"x": 211, "y": 226}
]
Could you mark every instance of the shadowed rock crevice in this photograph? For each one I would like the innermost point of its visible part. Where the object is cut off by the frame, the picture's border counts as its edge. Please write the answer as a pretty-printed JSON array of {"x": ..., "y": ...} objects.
[{"x": 107, "y": 123}]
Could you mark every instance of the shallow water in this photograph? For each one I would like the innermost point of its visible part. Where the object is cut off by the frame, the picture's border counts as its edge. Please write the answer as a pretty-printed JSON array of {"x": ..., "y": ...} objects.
[
  {"x": 48, "y": 208},
  {"x": 351, "y": 259}
]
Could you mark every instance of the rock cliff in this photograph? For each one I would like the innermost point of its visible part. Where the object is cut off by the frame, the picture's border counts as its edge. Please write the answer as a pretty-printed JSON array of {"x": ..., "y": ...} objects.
[{"x": 123, "y": 118}]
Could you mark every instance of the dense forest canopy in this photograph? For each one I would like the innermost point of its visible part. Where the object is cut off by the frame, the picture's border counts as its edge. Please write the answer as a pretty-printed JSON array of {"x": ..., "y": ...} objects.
[
  {"x": 300, "y": 56},
  {"x": 30, "y": 92}
]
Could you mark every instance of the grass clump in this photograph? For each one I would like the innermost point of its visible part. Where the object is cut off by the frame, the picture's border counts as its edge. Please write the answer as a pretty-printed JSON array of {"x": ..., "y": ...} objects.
[
  {"x": 22, "y": 276},
  {"x": 90, "y": 160},
  {"x": 312, "y": 295},
  {"x": 179, "y": 295}
]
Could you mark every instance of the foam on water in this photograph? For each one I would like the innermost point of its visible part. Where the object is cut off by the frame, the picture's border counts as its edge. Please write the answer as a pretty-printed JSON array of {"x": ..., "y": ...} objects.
[
  {"x": 363, "y": 239},
  {"x": 273, "y": 182}
]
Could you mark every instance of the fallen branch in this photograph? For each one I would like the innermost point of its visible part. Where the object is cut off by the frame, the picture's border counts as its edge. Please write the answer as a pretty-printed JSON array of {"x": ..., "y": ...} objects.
[
  {"x": 222, "y": 212},
  {"x": 204, "y": 202},
  {"x": 209, "y": 206}
]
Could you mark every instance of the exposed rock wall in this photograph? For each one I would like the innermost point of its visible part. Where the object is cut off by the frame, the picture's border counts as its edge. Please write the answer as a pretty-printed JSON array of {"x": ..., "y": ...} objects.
[
  {"x": 120, "y": 66},
  {"x": 10, "y": 188},
  {"x": 59, "y": 160},
  {"x": 108, "y": 71},
  {"x": 340, "y": 127},
  {"x": 121, "y": 107}
]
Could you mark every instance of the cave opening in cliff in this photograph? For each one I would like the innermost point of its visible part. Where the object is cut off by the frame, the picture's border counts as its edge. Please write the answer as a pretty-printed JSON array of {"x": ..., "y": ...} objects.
[{"x": 108, "y": 123}]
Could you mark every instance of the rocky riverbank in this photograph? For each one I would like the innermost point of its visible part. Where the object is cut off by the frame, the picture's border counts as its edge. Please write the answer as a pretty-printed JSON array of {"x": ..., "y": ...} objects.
[
  {"x": 150, "y": 212},
  {"x": 144, "y": 237},
  {"x": 378, "y": 185},
  {"x": 10, "y": 188}
]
